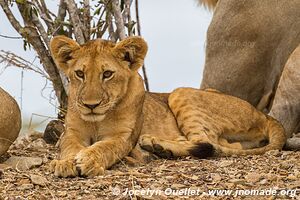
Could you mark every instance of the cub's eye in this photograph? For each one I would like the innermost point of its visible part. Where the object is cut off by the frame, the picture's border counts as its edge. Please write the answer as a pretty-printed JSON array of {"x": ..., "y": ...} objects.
[
  {"x": 79, "y": 73},
  {"x": 107, "y": 74}
]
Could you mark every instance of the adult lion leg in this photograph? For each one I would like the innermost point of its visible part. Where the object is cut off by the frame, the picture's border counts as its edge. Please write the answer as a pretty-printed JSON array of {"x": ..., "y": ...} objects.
[
  {"x": 93, "y": 160},
  {"x": 285, "y": 107},
  {"x": 70, "y": 145}
]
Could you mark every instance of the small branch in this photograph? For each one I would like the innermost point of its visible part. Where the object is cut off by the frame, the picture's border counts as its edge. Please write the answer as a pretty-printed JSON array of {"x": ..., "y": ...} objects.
[
  {"x": 62, "y": 11},
  {"x": 126, "y": 10},
  {"x": 87, "y": 18},
  {"x": 14, "y": 22},
  {"x": 45, "y": 9},
  {"x": 127, "y": 16},
  {"x": 10, "y": 37},
  {"x": 102, "y": 25},
  {"x": 138, "y": 17},
  {"x": 59, "y": 20},
  {"x": 101, "y": 32},
  {"x": 44, "y": 13},
  {"x": 34, "y": 22},
  {"x": 145, "y": 78},
  {"x": 139, "y": 33},
  {"x": 20, "y": 62},
  {"x": 33, "y": 37},
  {"x": 118, "y": 19},
  {"x": 111, "y": 31},
  {"x": 42, "y": 31},
  {"x": 77, "y": 24}
]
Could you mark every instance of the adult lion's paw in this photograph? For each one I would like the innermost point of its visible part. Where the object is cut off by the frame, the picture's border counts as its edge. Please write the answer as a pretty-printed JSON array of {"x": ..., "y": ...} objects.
[
  {"x": 87, "y": 165},
  {"x": 63, "y": 168}
]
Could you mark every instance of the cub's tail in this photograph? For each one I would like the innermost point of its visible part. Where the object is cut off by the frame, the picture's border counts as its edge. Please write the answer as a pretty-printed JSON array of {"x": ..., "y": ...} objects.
[
  {"x": 276, "y": 137},
  {"x": 211, "y": 4}
]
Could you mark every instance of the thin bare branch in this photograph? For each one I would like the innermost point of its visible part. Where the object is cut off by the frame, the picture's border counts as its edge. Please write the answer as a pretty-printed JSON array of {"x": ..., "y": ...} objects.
[
  {"x": 77, "y": 24},
  {"x": 87, "y": 18},
  {"x": 35, "y": 20},
  {"x": 59, "y": 20},
  {"x": 11, "y": 37},
  {"x": 126, "y": 10},
  {"x": 17, "y": 61},
  {"x": 102, "y": 25},
  {"x": 118, "y": 19},
  {"x": 44, "y": 13},
  {"x": 139, "y": 33},
  {"x": 127, "y": 16},
  {"x": 45, "y": 9},
  {"x": 33, "y": 37},
  {"x": 101, "y": 32},
  {"x": 111, "y": 31},
  {"x": 145, "y": 78},
  {"x": 14, "y": 22},
  {"x": 138, "y": 17},
  {"x": 62, "y": 11}
]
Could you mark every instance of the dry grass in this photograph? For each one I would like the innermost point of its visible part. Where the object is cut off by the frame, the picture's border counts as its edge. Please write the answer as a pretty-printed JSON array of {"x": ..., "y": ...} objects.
[{"x": 272, "y": 171}]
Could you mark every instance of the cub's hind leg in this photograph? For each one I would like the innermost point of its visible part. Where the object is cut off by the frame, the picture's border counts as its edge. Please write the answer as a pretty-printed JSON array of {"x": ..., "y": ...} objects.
[
  {"x": 197, "y": 135},
  {"x": 174, "y": 148},
  {"x": 199, "y": 124},
  {"x": 196, "y": 127}
]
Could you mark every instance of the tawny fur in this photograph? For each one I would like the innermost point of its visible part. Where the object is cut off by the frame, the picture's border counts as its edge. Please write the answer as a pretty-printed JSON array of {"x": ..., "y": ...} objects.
[
  {"x": 211, "y": 4},
  {"x": 239, "y": 32},
  {"x": 111, "y": 116},
  {"x": 245, "y": 53},
  {"x": 233, "y": 42},
  {"x": 285, "y": 107}
]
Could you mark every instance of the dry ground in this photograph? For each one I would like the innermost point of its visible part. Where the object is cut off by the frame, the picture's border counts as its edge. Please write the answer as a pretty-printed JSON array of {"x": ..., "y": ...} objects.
[{"x": 276, "y": 172}]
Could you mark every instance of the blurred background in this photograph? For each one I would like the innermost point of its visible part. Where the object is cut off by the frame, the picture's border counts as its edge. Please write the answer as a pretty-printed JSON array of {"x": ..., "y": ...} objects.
[{"x": 175, "y": 32}]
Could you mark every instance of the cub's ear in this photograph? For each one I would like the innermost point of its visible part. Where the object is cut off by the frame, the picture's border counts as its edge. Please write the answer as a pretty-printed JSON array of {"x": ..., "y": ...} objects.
[
  {"x": 133, "y": 50},
  {"x": 62, "y": 48}
]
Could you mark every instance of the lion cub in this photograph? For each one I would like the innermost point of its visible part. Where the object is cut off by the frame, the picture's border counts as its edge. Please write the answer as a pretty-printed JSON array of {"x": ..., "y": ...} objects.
[{"x": 110, "y": 114}]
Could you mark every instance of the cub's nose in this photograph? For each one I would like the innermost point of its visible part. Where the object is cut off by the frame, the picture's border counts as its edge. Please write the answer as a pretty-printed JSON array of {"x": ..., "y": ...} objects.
[{"x": 91, "y": 106}]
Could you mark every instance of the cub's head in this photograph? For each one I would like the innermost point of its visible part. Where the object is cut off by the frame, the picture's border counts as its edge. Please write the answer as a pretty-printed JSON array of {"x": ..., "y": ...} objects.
[{"x": 99, "y": 72}]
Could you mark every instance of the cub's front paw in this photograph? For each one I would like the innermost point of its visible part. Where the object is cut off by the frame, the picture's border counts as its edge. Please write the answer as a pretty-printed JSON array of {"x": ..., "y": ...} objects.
[
  {"x": 63, "y": 168},
  {"x": 87, "y": 164}
]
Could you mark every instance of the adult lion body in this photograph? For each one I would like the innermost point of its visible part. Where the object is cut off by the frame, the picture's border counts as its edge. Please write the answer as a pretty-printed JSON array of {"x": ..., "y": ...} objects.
[
  {"x": 109, "y": 111},
  {"x": 249, "y": 45},
  {"x": 10, "y": 121}
]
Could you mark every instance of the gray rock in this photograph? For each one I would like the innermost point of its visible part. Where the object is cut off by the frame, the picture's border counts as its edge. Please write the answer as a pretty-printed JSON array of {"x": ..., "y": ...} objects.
[
  {"x": 24, "y": 163},
  {"x": 293, "y": 144},
  {"x": 10, "y": 118},
  {"x": 26, "y": 187},
  {"x": 53, "y": 131},
  {"x": 38, "y": 180},
  {"x": 38, "y": 144}
]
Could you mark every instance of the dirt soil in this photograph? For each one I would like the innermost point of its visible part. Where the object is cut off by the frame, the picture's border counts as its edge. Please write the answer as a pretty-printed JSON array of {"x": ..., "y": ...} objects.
[{"x": 274, "y": 175}]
